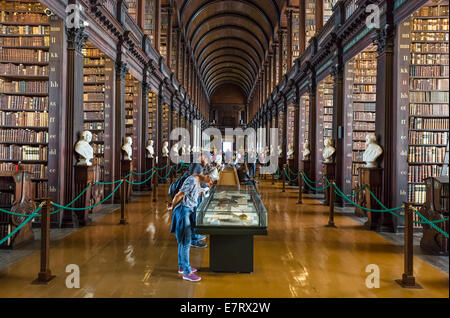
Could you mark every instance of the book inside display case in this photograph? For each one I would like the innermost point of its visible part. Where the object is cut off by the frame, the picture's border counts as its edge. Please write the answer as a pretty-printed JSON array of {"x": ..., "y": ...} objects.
[
  {"x": 29, "y": 93},
  {"x": 424, "y": 96},
  {"x": 360, "y": 110},
  {"x": 152, "y": 116}
]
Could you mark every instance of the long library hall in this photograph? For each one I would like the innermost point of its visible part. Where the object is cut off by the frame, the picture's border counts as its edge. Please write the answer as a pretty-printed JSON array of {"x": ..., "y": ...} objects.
[{"x": 224, "y": 149}]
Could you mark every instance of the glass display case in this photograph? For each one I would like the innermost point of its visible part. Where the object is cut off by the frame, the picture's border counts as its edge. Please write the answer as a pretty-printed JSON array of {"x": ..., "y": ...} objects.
[
  {"x": 232, "y": 207},
  {"x": 232, "y": 215}
]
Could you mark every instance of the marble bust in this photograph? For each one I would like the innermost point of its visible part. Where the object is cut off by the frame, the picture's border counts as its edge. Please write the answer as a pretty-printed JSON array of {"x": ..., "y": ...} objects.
[
  {"x": 189, "y": 149},
  {"x": 372, "y": 152},
  {"x": 128, "y": 150},
  {"x": 290, "y": 153},
  {"x": 328, "y": 151},
  {"x": 267, "y": 153},
  {"x": 280, "y": 151},
  {"x": 183, "y": 150},
  {"x": 150, "y": 149},
  {"x": 306, "y": 150},
  {"x": 84, "y": 149},
  {"x": 175, "y": 150},
  {"x": 165, "y": 149}
]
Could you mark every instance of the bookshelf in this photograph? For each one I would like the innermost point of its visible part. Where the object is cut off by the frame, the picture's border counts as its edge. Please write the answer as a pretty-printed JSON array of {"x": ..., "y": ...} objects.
[
  {"x": 328, "y": 9},
  {"x": 25, "y": 32},
  {"x": 310, "y": 20},
  {"x": 295, "y": 36},
  {"x": 428, "y": 96},
  {"x": 94, "y": 81},
  {"x": 149, "y": 19},
  {"x": 131, "y": 94},
  {"x": 165, "y": 133},
  {"x": 290, "y": 125},
  {"x": 361, "y": 86},
  {"x": 281, "y": 129},
  {"x": 325, "y": 118},
  {"x": 285, "y": 47},
  {"x": 152, "y": 109},
  {"x": 164, "y": 28},
  {"x": 304, "y": 118},
  {"x": 132, "y": 8}
]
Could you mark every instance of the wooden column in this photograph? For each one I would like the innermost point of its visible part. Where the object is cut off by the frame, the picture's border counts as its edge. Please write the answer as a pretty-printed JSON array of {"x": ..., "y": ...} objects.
[
  {"x": 319, "y": 15},
  {"x": 73, "y": 115},
  {"x": 314, "y": 156},
  {"x": 302, "y": 26},
  {"x": 280, "y": 56},
  {"x": 270, "y": 73},
  {"x": 285, "y": 144},
  {"x": 296, "y": 132},
  {"x": 274, "y": 66},
  {"x": 157, "y": 25},
  {"x": 140, "y": 13},
  {"x": 385, "y": 125},
  {"x": 169, "y": 37},
  {"x": 144, "y": 128},
  {"x": 289, "y": 39}
]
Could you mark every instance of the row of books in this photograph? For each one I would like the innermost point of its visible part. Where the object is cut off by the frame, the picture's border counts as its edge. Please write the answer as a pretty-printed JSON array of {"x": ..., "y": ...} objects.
[
  {"x": 93, "y": 116},
  {"x": 93, "y": 106},
  {"x": 416, "y": 193},
  {"x": 364, "y": 116},
  {"x": 359, "y": 145},
  {"x": 417, "y": 173},
  {"x": 100, "y": 72},
  {"x": 93, "y": 96},
  {"x": 23, "y": 86},
  {"x": 97, "y": 62},
  {"x": 98, "y": 136},
  {"x": 98, "y": 148},
  {"x": 92, "y": 53},
  {"x": 24, "y": 55},
  {"x": 428, "y": 97},
  {"x": 357, "y": 155},
  {"x": 428, "y": 58},
  {"x": 24, "y": 41},
  {"x": 362, "y": 97},
  {"x": 429, "y": 36},
  {"x": 368, "y": 107},
  {"x": 21, "y": 6},
  {"x": 24, "y": 30},
  {"x": 23, "y": 70},
  {"x": 21, "y": 17},
  {"x": 93, "y": 88},
  {"x": 40, "y": 190},
  {"x": 428, "y": 123},
  {"x": 365, "y": 72},
  {"x": 429, "y": 47},
  {"x": 429, "y": 71},
  {"x": 428, "y": 84},
  {"x": 366, "y": 79},
  {"x": 360, "y": 135},
  {"x": 15, "y": 152},
  {"x": 427, "y": 137},
  {"x": 94, "y": 126},
  {"x": 426, "y": 154},
  {"x": 23, "y": 135},
  {"x": 6, "y": 199},
  {"x": 366, "y": 64},
  {"x": 364, "y": 89},
  {"x": 355, "y": 168},
  {"x": 18, "y": 102},
  {"x": 429, "y": 109},
  {"x": 24, "y": 119},
  {"x": 439, "y": 24},
  {"x": 94, "y": 78},
  {"x": 431, "y": 11}
]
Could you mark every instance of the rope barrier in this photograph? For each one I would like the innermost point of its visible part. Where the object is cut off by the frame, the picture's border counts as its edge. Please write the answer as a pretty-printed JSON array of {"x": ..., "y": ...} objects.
[
  {"x": 290, "y": 180},
  {"x": 315, "y": 189}
]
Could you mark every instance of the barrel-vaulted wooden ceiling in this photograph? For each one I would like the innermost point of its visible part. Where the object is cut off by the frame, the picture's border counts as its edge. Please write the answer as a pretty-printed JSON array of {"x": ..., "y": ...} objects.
[{"x": 229, "y": 39}]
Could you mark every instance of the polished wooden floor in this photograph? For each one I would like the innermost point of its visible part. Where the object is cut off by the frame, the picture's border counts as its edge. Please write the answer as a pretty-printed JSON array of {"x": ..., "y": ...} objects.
[{"x": 298, "y": 258}]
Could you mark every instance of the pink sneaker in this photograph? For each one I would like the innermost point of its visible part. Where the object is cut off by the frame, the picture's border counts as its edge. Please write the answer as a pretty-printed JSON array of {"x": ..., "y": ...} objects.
[
  {"x": 181, "y": 271},
  {"x": 191, "y": 277}
]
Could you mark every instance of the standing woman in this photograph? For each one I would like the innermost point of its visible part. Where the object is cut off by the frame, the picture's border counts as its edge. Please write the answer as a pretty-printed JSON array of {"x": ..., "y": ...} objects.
[{"x": 184, "y": 204}]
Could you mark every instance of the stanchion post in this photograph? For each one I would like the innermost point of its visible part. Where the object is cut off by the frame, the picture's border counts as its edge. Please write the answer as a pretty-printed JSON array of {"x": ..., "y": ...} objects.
[
  {"x": 408, "y": 280},
  {"x": 331, "y": 204},
  {"x": 155, "y": 185},
  {"x": 273, "y": 177},
  {"x": 300, "y": 188},
  {"x": 284, "y": 177},
  {"x": 123, "y": 206},
  {"x": 45, "y": 275}
]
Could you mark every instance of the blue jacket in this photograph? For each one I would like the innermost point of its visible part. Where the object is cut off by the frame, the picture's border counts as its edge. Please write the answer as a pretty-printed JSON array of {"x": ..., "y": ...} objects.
[{"x": 179, "y": 225}]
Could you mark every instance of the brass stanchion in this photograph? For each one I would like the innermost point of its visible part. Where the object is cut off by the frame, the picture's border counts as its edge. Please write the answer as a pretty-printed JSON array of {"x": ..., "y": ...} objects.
[
  {"x": 45, "y": 275},
  {"x": 284, "y": 178},
  {"x": 408, "y": 280},
  {"x": 331, "y": 204},
  {"x": 300, "y": 188},
  {"x": 123, "y": 193}
]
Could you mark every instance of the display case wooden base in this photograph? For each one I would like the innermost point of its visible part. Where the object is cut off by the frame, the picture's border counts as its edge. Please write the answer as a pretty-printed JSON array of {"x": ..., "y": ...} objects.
[{"x": 83, "y": 176}]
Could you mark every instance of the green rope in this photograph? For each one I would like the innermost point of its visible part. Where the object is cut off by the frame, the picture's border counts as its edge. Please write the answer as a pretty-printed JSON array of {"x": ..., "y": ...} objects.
[
  {"x": 431, "y": 224},
  {"x": 31, "y": 216},
  {"x": 166, "y": 176},
  {"x": 295, "y": 174},
  {"x": 310, "y": 181},
  {"x": 143, "y": 173},
  {"x": 90, "y": 207},
  {"x": 289, "y": 179},
  {"x": 146, "y": 180},
  {"x": 115, "y": 182},
  {"x": 315, "y": 189}
]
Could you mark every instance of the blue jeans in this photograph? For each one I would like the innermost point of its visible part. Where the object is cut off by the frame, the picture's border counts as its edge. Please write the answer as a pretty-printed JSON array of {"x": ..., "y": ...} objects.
[
  {"x": 195, "y": 236},
  {"x": 252, "y": 170},
  {"x": 183, "y": 249}
]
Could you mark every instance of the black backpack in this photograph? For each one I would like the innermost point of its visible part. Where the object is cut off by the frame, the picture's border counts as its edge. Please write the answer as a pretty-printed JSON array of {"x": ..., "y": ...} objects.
[{"x": 177, "y": 184}]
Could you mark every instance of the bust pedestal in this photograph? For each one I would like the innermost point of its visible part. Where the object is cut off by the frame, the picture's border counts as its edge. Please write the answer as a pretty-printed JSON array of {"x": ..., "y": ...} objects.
[
  {"x": 307, "y": 170},
  {"x": 164, "y": 173},
  {"x": 126, "y": 168},
  {"x": 291, "y": 165},
  {"x": 329, "y": 172},
  {"x": 149, "y": 164},
  {"x": 377, "y": 221},
  {"x": 84, "y": 175}
]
